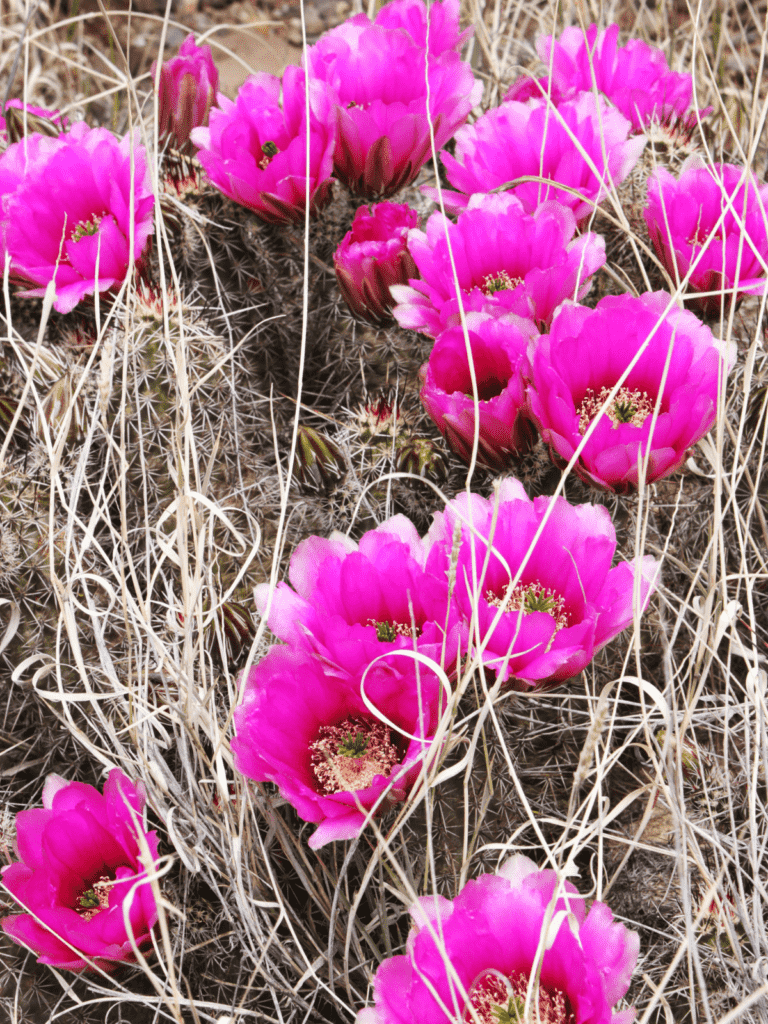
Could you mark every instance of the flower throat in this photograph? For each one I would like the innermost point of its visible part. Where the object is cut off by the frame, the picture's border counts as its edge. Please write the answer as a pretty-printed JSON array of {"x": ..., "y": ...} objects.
[
  {"x": 92, "y": 901},
  {"x": 497, "y": 999},
  {"x": 348, "y": 756},
  {"x": 632, "y": 407}
]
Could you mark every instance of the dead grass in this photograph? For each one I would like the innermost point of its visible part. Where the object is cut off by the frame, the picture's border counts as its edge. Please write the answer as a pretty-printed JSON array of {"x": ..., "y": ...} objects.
[{"x": 161, "y": 492}]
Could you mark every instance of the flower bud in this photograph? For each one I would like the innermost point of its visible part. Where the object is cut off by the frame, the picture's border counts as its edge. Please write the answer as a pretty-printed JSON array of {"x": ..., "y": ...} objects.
[
  {"x": 21, "y": 119},
  {"x": 319, "y": 464},
  {"x": 379, "y": 417},
  {"x": 237, "y": 628},
  {"x": 187, "y": 91},
  {"x": 59, "y": 406},
  {"x": 422, "y": 457},
  {"x": 8, "y": 407},
  {"x": 374, "y": 255}
]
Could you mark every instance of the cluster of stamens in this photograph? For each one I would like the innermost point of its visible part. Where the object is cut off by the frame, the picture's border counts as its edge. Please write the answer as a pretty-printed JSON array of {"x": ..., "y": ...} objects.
[
  {"x": 348, "y": 756},
  {"x": 632, "y": 407},
  {"x": 500, "y": 1000},
  {"x": 270, "y": 150},
  {"x": 531, "y": 597},
  {"x": 92, "y": 901},
  {"x": 701, "y": 235},
  {"x": 500, "y": 282},
  {"x": 86, "y": 227},
  {"x": 388, "y": 632}
]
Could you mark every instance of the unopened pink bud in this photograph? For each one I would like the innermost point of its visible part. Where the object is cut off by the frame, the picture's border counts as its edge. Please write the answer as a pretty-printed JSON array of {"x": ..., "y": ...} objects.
[
  {"x": 188, "y": 86},
  {"x": 373, "y": 256}
]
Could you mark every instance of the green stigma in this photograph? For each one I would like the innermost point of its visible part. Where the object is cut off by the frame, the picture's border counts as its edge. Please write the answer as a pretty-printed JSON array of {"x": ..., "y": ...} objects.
[
  {"x": 269, "y": 149},
  {"x": 86, "y": 227},
  {"x": 500, "y": 282},
  {"x": 89, "y": 899},
  {"x": 353, "y": 745},
  {"x": 385, "y": 631},
  {"x": 512, "y": 1013},
  {"x": 624, "y": 412},
  {"x": 541, "y": 601}
]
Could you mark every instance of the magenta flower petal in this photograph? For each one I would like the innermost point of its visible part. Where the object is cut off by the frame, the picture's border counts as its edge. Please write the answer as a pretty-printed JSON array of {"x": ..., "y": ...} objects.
[
  {"x": 499, "y": 348},
  {"x": 379, "y": 78},
  {"x": 187, "y": 91},
  {"x": 353, "y": 603},
  {"x": 517, "y": 140},
  {"x": 67, "y": 207},
  {"x": 612, "y": 948},
  {"x": 79, "y": 864},
  {"x": 439, "y": 21},
  {"x": 479, "y": 950},
  {"x": 507, "y": 261},
  {"x": 305, "y": 726},
  {"x": 374, "y": 255},
  {"x": 255, "y": 151},
  {"x": 636, "y": 78},
  {"x": 577, "y": 365},
  {"x": 712, "y": 218},
  {"x": 568, "y": 601}
]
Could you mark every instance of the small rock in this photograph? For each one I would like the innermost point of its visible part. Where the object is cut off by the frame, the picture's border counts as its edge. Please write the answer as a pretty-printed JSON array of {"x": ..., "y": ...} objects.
[
  {"x": 313, "y": 21},
  {"x": 174, "y": 37}
]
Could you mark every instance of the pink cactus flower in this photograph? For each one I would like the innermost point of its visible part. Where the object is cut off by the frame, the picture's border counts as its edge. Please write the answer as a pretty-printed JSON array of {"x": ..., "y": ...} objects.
[
  {"x": 68, "y": 207},
  {"x": 187, "y": 91},
  {"x": 81, "y": 869},
  {"x": 380, "y": 79},
  {"x": 353, "y": 602},
  {"x": 507, "y": 261},
  {"x": 499, "y": 354},
  {"x": 517, "y": 140},
  {"x": 636, "y": 78},
  {"x": 713, "y": 217},
  {"x": 566, "y": 602},
  {"x": 437, "y": 24},
  {"x": 38, "y": 119},
  {"x": 587, "y": 351},
  {"x": 373, "y": 256},
  {"x": 478, "y": 951},
  {"x": 305, "y": 726},
  {"x": 255, "y": 150}
]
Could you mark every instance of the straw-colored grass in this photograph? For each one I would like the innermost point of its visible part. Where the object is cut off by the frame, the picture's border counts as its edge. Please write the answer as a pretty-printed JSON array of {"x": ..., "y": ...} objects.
[{"x": 163, "y": 489}]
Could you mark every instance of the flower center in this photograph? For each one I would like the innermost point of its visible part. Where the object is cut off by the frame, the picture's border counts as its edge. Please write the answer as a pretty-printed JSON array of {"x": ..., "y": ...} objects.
[
  {"x": 497, "y": 999},
  {"x": 92, "y": 901},
  {"x": 388, "y": 632},
  {"x": 532, "y": 597},
  {"x": 348, "y": 756},
  {"x": 500, "y": 282},
  {"x": 627, "y": 406},
  {"x": 269, "y": 149},
  {"x": 86, "y": 227}
]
